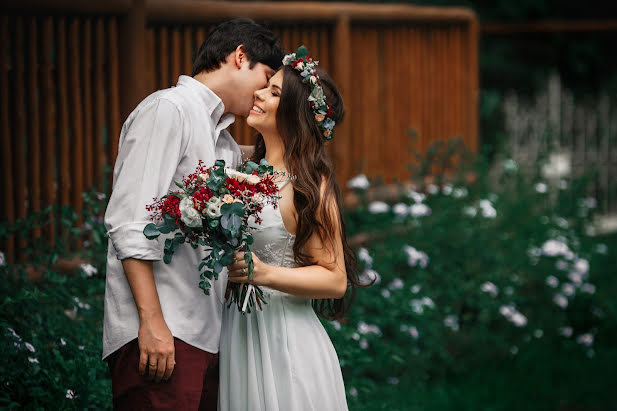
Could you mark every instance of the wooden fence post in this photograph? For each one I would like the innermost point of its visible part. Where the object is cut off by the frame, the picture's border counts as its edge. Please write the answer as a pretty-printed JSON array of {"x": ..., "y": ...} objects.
[
  {"x": 341, "y": 74},
  {"x": 133, "y": 85}
]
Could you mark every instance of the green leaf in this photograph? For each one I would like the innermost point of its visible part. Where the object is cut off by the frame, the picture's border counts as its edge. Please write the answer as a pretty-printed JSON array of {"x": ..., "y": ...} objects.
[
  {"x": 302, "y": 51},
  {"x": 167, "y": 258},
  {"x": 151, "y": 231},
  {"x": 179, "y": 185},
  {"x": 220, "y": 163}
]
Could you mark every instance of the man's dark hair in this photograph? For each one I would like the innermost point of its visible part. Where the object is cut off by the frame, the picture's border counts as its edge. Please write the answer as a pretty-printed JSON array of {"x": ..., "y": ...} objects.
[{"x": 260, "y": 44}]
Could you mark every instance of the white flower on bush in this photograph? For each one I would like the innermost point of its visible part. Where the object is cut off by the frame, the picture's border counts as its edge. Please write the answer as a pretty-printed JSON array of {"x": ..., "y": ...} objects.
[
  {"x": 417, "y": 305},
  {"x": 541, "y": 188},
  {"x": 509, "y": 165},
  {"x": 447, "y": 189},
  {"x": 451, "y": 321},
  {"x": 413, "y": 331},
  {"x": 512, "y": 314},
  {"x": 33, "y": 360},
  {"x": 470, "y": 211},
  {"x": 363, "y": 344},
  {"x": 553, "y": 248},
  {"x": 534, "y": 252},
  {"x": 70, "y": 394},
  {"x": 560, "y": 300},
  {"x": 353, "y": 392},
  {"x": 581, "y": 266},
  {"x": 585, "y": 339},
  {"x": 576, "y": 277},
  {"x": 396, "y": 284},
  {"x": 566, "y": 331},
  {"x": 561, "y": 222},
  {"x": 385, "y": 293},
  {"x": 415, "y": 196},
  {"x": 588, "y": 288},
  {"x": 415, "y": 257},
  {"x": 419, "y": 210},
  {"x": 378, "y": 207},
  {"x": 355, "y": 336},
  {"x": 489, "y": 287},
  {"x": 359, "y": 182},
  {"x": 552, "y": 281},
  {"x": 2, "y": 259},
  {"x": 369, "y": 275},
  {"x": 568, "y": 289},
  {"x": 563, "y": 184},
  {"x": 364, "y": 328},
  {"x": 460, "y": 192},
  {"x": 30, "y": 347},
  {"x": 400, "y": 209},
  {"x": 432, "y": 189},
  {"x": 62, "y": 342},
  {"x": 538, "y": 333},
  {"x": 428, "y": 302},
  {"x": 558, "y": 166},
  {"x": 188, "y": 214},
  {"x": 519, "y": 319},
  {"x": 415, "y": 288},
  {"x": 365, "y": 257},
  {"x": 488, "y": 210},
  {"x": 601, "y": 248},
  {"x": 88, "y": 269},
  {"x": 12, "y": 331}
]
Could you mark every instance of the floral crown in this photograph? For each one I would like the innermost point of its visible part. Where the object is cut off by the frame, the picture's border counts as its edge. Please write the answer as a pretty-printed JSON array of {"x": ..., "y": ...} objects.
[{"x": 301, "y": 62}]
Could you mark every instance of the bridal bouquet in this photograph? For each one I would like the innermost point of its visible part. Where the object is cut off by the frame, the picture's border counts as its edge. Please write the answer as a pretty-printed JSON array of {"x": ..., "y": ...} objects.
[{"x": 212, "y": 209}]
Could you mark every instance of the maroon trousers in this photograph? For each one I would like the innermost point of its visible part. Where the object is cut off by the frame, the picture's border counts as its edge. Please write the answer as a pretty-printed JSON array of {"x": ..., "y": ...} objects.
[{"x": 193, "y": 385}]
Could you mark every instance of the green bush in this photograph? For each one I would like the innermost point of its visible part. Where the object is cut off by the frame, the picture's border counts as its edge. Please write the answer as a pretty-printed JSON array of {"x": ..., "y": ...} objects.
[
  {"x": 51, "y": 331},
  {"x": 490, "y": 296}
]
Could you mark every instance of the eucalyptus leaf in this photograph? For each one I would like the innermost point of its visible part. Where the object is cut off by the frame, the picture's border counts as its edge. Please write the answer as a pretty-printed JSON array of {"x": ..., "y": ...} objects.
[{"x": 151, "y": 231}]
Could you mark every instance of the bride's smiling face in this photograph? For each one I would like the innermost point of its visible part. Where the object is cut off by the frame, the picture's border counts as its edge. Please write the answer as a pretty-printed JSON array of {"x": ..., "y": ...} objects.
[{"x": 262, "y": 116}]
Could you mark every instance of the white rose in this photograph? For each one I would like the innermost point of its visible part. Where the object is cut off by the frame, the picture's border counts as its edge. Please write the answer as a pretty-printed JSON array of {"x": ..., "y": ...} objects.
[
  {"x": 188, "y": 214},
  {"x": 258, "y": 198},
  {"x": 228, "y": 198},
  {"x": 300, "y": 66},
  {"x": 213, "y": 210},
  {"x": 253, "y": 179},
  {"x": 313, "y": 80}
]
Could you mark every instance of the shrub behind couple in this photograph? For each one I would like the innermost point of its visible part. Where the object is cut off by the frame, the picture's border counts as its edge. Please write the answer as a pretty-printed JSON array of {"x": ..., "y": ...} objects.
[{"x": 161, "y": 335}]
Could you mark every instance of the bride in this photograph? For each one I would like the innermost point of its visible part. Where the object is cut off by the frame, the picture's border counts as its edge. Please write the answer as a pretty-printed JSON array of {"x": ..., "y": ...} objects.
[{"x": 281, "y": 358}]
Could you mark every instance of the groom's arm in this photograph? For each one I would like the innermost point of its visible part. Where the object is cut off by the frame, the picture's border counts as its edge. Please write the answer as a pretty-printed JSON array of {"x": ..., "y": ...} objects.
[
  {"x": 147, "y": 161},
  {"x": 156, "y": 343}
]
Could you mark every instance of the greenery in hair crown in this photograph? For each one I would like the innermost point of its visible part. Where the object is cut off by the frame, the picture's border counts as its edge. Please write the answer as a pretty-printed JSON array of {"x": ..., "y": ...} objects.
[{"x": 301, "y": 62}]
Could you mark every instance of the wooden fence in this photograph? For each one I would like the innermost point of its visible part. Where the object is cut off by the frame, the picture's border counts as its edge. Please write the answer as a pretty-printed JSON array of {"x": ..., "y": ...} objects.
[{"x": 71, "y": 71}]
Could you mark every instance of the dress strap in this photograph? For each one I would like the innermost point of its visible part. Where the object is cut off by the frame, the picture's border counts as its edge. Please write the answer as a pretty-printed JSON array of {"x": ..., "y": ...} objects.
[{"x": 283, "y": 185}]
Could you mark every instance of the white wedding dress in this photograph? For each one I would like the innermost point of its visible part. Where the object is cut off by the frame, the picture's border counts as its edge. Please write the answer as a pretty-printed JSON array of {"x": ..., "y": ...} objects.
[{"x": 279, "y": 358}]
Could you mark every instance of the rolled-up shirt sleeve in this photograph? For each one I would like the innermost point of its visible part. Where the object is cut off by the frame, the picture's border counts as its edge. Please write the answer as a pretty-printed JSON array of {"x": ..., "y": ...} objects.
[{"x": 148, "y": 156}]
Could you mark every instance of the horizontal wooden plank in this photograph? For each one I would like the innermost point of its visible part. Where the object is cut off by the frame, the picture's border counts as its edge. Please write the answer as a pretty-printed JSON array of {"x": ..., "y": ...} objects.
[
  {"x": 551, "y": 26},
  {"x": 200, "y": 11}
]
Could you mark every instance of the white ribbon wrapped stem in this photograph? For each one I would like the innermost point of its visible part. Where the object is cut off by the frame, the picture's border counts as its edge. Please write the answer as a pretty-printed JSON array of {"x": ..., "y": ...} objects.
[{"x": 249, "y": 290}]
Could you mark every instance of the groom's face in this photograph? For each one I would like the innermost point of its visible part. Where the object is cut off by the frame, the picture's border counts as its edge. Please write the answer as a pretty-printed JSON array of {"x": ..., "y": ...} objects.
[{"x": 249, "y": 81}]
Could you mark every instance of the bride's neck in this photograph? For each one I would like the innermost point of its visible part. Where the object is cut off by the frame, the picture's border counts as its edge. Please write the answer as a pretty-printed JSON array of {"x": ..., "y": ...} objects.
[{"x": 275, "y": 151}]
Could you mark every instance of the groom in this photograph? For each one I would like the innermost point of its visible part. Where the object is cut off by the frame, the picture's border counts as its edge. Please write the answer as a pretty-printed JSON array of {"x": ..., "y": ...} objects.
[{"x": 160, "y": 332}]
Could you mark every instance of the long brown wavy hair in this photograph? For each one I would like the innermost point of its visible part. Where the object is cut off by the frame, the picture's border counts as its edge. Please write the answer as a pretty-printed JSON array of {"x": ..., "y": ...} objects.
[{"x": 305, "y": 158}]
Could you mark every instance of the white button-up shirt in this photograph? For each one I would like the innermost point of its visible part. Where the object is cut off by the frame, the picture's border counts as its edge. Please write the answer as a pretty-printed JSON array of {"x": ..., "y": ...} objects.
[{"x": 161, "y": 142}]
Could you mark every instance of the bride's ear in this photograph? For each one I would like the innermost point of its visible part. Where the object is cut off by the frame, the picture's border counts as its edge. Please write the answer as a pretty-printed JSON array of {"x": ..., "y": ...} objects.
[{"x": 239, "y": 56}]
